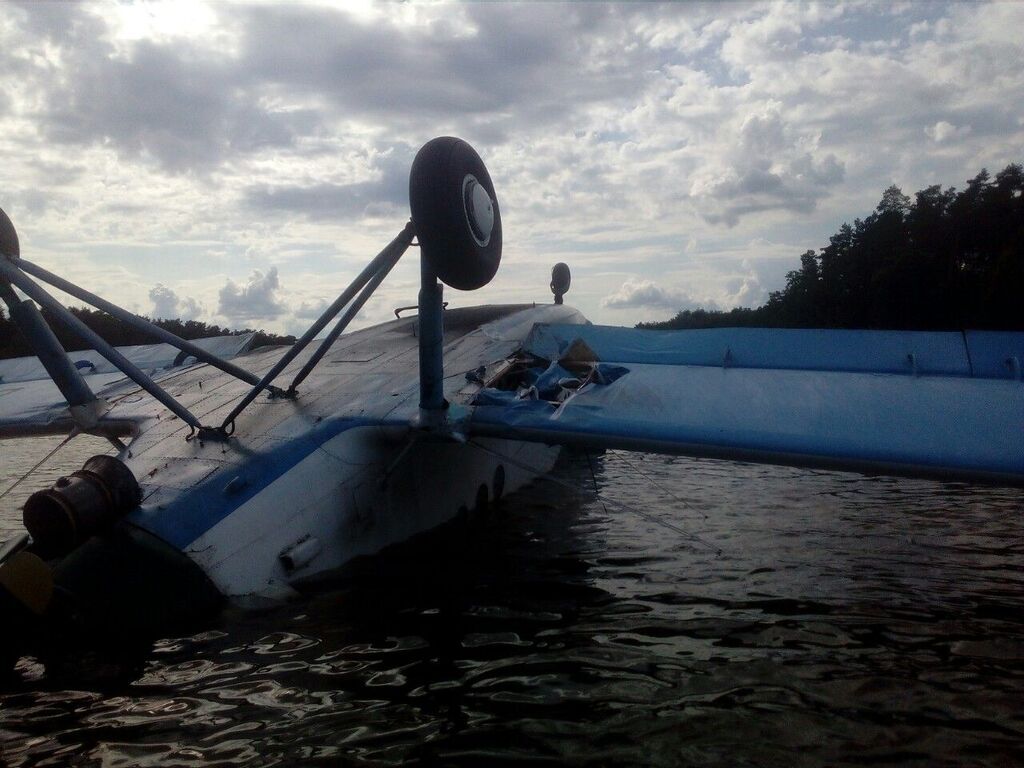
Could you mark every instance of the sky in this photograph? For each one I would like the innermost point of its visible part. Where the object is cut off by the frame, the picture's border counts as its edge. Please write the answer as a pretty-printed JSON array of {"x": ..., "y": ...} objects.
[{"x": 238, "y": 163}]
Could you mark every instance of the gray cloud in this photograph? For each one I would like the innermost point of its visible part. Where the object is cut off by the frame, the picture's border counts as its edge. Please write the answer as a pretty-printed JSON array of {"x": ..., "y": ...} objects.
[
  {"x": 256, "y": 300},
  {"x": 57, "y": 173},
  {"x": 67, "y": 25},
  {"x": 311, "y": 310},
  {"x": 386, "y": 192},
  {"x": 772, "y": 166},
  {"x": 320, "y": 201},
  {"x": 190, "y": 107},
  {"x": 183, "y": 111},
  {"x": 495, "y": 65}
]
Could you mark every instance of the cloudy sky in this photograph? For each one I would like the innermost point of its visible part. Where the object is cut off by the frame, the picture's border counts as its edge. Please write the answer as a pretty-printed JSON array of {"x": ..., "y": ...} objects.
[{"x": 239, "y": 162}]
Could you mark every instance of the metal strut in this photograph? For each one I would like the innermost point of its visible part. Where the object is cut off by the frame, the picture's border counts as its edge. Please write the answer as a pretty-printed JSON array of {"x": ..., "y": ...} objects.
[
  {"x": 47, "y": 347},
  {"x": 343, "y": 322},
  {"x": 139, "y": 323},
  {"x": 16, "y": 277},
  {"x": 391, "y": 253},
  {"x": 431, "y": 320},
  {"x": 77, "y": 392}
]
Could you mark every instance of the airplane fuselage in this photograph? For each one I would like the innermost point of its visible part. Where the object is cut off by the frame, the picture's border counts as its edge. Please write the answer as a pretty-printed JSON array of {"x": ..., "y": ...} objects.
[{"x": 304, "y": 485}]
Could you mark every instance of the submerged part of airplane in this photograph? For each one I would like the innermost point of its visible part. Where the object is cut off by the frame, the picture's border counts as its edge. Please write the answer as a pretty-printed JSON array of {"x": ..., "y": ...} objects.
[{"x": 231, "y": 485}]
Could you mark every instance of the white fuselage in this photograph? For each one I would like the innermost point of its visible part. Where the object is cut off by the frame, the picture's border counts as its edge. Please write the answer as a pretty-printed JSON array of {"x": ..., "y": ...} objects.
[{"x": 306, "y": 485}]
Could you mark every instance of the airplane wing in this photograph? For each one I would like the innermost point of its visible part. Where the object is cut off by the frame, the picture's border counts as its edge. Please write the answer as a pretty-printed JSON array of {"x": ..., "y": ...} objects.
[
  {"x": 947, "y": 405},
  {"x": 31, "y": 404}
]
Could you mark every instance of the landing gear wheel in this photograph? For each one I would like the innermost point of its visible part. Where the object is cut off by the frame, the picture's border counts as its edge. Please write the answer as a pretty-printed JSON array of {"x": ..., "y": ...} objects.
[
  {"x": 8, "y": 236},
  {"x": 455, "y": 213}
]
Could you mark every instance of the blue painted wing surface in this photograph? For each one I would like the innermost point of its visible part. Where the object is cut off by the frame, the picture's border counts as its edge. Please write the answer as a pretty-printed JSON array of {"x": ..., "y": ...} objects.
[{"x": 931, "y": 404}]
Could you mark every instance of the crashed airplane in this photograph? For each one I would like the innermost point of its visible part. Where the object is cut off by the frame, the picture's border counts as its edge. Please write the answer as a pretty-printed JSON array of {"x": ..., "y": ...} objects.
[{"x": 250, "y": 478}]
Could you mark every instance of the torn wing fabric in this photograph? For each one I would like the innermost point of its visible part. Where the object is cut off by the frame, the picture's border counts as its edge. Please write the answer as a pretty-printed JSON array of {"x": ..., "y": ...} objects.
[{"x": 931, "y": 404}]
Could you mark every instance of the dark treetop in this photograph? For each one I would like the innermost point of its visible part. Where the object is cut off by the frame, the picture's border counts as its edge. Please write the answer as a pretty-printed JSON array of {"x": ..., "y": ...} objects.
[
  {"x": 945, "y": 260},
  {"x": 13, "y": 345}
]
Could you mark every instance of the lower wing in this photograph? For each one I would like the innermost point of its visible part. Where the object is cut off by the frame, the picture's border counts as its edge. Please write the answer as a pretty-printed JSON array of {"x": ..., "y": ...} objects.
[
  {"x": 31, "y": 404},
  {"x": 903, "y": 403}
]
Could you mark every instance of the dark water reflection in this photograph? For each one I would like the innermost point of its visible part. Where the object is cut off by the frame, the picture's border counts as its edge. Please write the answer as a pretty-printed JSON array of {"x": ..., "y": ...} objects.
[{"x": 847, "y": 620}]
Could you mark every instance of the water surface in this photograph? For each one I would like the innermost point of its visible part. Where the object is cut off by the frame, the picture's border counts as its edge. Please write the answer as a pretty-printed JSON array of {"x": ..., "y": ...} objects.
[{"x": 802, "y": 618}]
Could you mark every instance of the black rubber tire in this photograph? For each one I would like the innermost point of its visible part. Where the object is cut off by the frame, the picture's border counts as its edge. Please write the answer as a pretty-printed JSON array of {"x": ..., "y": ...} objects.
[
  {"x": 8, "y": 236},
  {"x": 439, "y": 214}
]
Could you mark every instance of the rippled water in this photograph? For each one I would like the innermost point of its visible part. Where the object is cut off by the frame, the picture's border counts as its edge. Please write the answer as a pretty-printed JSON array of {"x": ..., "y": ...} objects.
[{"x": 820, "y": 618}]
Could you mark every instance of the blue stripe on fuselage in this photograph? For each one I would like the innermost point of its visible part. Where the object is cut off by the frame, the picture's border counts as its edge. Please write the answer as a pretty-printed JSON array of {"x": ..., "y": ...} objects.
[{"x": 196, "y": 510}]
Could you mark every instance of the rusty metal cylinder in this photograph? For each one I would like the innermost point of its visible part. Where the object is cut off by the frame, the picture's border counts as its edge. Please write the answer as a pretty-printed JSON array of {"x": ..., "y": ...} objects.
[{"x": 77, "y": 507}]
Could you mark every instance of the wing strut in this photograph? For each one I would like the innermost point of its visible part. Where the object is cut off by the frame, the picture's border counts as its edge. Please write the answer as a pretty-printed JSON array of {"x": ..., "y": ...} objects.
[
  {"x": 13, "y": 275},
  {"x": 382, "y": 262},
  {"x": 346, "y": 318},
  {"x": 48, "y": 348},
  {"x": 139, "y": 323},
  {"x": 72, "y": 385}
]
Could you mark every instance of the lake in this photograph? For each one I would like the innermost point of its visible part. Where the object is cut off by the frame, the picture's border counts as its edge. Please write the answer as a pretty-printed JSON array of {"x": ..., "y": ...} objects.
[{"x": 787, "y": 617}]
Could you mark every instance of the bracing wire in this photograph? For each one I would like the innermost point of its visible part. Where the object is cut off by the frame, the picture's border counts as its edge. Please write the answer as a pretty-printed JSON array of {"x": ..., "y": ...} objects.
[
  {"x": 658, "y": 485},
  {"x": 38, "y": 464},
  {"x": 593, "y": 479},
  {"x": 614, "y": 502}
]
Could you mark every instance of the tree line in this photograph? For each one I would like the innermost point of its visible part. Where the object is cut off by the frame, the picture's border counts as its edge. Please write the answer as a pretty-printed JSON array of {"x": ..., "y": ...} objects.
[
  {"x": 946, "y": 260},
  {"x": 12, "y": 344}
]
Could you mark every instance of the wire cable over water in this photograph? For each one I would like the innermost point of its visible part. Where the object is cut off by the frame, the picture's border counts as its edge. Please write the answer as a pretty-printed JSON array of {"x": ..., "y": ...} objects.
[
  {"x": 39, "y": 463},
  {"x": 593, "y": 479},
  {"x": 692, "y": 537},
  {"x": 656, "y": 484}
]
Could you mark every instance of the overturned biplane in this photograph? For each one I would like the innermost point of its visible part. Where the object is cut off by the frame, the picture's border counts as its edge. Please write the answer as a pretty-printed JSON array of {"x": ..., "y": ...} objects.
[{"x": 227, "y": 484}]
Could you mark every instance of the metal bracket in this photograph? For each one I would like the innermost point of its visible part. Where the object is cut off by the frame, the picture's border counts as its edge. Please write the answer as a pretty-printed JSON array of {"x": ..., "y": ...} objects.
[
  {"x": 213, "y": 434},
  {"x": 399, "y": 310},
  {"x": 389, "y": 256}
]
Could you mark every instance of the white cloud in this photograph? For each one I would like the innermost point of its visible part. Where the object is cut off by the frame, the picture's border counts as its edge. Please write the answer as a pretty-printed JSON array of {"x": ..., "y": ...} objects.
[
  {"x": 944, "y": 131},
  {"x": 635, "y": 294},
  {"x": 744, "y": 291},
  {"x": 257, "y": 300},
  {"x": 167, "y": 305},
  {"x": 775, "y": 35}
]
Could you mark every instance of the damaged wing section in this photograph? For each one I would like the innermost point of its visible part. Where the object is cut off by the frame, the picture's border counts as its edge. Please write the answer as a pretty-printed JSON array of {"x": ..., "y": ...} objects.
[{"x": 946, "y": 405}]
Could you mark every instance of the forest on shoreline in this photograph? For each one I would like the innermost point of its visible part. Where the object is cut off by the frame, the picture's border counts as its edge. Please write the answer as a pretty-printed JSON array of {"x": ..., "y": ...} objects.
[
  {"x": 946, "y": 260},
  {"x": 117, "y": 333}
]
